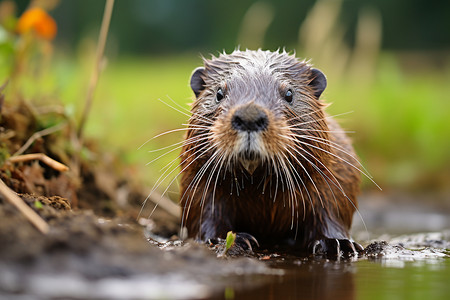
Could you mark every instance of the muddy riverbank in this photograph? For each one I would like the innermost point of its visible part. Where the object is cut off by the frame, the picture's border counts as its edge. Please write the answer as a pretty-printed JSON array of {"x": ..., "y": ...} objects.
[{"x": 85, "y": 256}]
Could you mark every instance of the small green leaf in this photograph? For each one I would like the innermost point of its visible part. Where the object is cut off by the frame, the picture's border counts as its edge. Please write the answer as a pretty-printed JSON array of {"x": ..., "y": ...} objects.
[
  {"x": 38, "y": 204},
  {"x": 231, "y": 237}
]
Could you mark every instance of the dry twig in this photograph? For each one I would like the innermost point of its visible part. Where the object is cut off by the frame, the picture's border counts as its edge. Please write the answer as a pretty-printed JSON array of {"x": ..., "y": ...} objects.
[
  {"x": 42, "y": 157},
  {"x": 29, "y": 213}
]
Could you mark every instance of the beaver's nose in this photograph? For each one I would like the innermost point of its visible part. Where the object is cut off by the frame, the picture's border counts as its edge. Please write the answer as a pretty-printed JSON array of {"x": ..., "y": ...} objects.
[{"x": 249, "y": 118}]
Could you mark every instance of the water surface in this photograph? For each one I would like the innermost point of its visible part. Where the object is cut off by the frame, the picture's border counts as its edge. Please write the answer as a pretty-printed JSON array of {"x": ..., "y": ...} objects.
[{"x": 384, "y": 278}]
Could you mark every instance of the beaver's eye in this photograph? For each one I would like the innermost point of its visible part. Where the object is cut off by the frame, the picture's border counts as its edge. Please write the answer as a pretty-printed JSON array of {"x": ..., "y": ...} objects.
[
  {"x": 219, "y": 95},
  {"x": 289, "y": 96}
]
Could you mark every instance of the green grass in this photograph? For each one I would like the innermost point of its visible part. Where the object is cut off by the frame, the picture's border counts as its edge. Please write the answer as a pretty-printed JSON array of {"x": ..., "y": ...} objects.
[{"x": 402, "y": 125}]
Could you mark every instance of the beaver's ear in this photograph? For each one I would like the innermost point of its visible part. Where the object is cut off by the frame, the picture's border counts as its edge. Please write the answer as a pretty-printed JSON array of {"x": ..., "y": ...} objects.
[
  {"x": 318, "y": 82},
  {"x": 197, "y": 82}
]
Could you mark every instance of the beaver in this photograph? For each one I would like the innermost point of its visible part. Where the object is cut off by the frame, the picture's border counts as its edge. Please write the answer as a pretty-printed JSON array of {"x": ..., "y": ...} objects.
[{"x": 263, "y": 159}]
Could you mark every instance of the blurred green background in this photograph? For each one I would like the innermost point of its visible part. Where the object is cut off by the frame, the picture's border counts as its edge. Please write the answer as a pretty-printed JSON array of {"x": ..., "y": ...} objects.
[{"x": 387, "y": 62}]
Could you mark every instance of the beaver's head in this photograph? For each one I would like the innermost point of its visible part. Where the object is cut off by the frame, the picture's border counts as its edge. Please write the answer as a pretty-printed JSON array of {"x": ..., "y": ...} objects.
[{"x": 255, "y": 107}]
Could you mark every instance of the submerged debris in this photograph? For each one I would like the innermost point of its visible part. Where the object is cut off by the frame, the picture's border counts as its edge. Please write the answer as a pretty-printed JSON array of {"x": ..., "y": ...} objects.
[{"x": 392, "y": 250}]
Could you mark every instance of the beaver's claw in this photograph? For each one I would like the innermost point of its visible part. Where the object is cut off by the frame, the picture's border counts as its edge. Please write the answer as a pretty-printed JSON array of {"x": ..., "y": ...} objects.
[
  {"x": 335, "y": 247},
  {"x": 246, "y": 241}
]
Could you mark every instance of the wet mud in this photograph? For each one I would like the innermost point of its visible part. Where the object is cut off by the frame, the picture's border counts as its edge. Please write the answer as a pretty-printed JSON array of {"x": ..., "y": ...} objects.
[{"x": 86, "y": 256}]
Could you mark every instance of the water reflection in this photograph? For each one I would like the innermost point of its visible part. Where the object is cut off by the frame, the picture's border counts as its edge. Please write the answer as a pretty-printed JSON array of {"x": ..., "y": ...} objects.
[
  {"x": 306, "y": 279},
  {"x": 403, "y": 279}
]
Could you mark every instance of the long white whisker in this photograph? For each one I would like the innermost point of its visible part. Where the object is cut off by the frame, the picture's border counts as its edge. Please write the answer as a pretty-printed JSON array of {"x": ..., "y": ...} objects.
[
  {"x": 208, "y": 180},
  {"x": 336, "y": 181},
  {"x": 321, "y": 173},
  {"x": 196, "y": 180},
  {"x": 184, "y": 142},
  {"x": 307, "y": 174},
  {"x": 159, "y": 181},
  {"x": 296, "y": 117},
  {"x": 317, "y": 120},
  {"x": 190, "y": 163},
  {"x": 339, "y": 187},
  {"x": 291, "y": 187},
  {"x": 181, "y": 154},
  {"x": 206, "y": 120},
  {"x": 301, "y": 180},
  {"x": 201, "y": 173},
  {"x": 190, "y": 113},
  {"x": 340, "y": 158},
  {"x": 173, "y": 180},
  {"x": 181, "y": 146},
  {"x": 164, "y": 133},
  {"x": 197, "y": 126},
  {"x": 215, "y": 183},
  {"x": 332, "y": 145}
]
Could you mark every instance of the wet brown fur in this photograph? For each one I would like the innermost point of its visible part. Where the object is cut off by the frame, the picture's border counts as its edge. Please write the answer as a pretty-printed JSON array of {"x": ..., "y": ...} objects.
[{"x": 227, "y": 198}]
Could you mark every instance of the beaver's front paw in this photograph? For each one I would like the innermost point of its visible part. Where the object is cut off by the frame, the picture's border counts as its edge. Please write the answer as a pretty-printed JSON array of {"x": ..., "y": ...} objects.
[{"x": 335, "y": 247}]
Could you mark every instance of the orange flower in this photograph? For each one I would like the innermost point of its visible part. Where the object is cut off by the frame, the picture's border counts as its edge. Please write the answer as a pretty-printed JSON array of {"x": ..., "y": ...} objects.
[{"x": 39, "y": 21}]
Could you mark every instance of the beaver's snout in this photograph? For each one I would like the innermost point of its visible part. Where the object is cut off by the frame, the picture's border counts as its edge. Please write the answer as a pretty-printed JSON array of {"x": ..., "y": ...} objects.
[{"x": 249, "y": 118}]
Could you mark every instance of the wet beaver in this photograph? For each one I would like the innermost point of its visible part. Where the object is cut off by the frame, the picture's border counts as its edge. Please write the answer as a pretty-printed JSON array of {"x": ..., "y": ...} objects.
[{"x": 262, "y": 158}]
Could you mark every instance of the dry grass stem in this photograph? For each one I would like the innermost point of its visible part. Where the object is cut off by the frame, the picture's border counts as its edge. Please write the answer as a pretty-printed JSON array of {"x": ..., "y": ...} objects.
[
  {"x": 29, "y": 213},
  {"x": 38, "y": 135},
  {"x": 98, "y": 64},
  {"x": 42, "y": 157}
]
